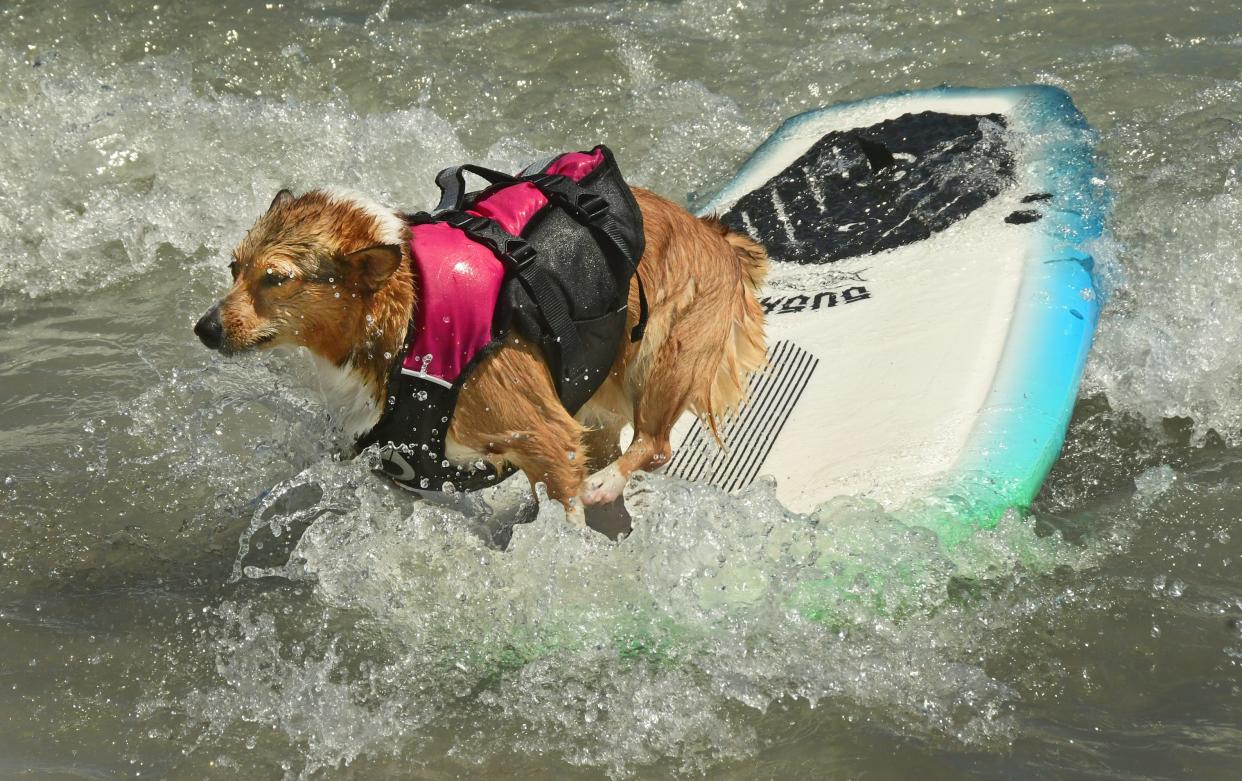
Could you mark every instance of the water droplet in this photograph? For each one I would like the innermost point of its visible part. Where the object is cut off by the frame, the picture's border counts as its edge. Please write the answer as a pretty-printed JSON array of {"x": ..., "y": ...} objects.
[
  {"x": 387, "y": 355},
  {"x": 336, "y": 295}
]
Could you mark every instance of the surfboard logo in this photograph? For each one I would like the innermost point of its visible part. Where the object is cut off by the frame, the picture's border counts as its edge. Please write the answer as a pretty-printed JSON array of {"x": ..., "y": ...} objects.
[
  {"x": 843, "y": 287},
  {"x": 813, "y": 302}
]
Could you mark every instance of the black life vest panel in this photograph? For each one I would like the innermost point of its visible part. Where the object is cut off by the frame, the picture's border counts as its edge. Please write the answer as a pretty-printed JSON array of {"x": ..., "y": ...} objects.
[{"x": 568, "y": 249}]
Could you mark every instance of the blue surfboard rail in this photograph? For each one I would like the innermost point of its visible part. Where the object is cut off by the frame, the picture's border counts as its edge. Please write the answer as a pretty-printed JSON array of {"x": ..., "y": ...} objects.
[{"x": 1019, "y": 434}]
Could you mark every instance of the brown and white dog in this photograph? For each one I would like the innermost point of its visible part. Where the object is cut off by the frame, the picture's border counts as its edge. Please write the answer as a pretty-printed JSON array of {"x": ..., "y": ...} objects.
[{"x": 330, "y": 271}]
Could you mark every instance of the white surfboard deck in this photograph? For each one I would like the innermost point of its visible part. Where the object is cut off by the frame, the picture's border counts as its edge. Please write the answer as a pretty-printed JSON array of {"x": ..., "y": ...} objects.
[{"x": 945, "y": 366}]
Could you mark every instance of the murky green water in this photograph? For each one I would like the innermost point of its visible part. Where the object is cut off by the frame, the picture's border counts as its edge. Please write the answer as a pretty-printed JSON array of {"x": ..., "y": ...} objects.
[{"x": 1097, "y": 637}]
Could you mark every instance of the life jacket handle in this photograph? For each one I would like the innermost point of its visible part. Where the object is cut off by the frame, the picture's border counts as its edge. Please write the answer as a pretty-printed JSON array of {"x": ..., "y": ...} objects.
[{"x": 452, "y": 184}]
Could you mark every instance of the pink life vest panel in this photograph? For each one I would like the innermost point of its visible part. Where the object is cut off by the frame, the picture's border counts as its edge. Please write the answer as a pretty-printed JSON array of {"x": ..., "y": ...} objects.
[{"x": 457, "y": 281}]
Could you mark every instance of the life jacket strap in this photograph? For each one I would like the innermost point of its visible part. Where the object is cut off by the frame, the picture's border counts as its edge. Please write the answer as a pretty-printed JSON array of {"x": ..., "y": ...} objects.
[
  {"x": 592, "y": 210},
  {"x": 636, "y": 333},
  {"x": 519, "y": 257}
]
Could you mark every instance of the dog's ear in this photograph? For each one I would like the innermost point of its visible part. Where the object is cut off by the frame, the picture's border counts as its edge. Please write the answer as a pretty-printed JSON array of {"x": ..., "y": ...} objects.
[
  {"x": 282, "y": 197},
  {"x": 370, "y": 268}
]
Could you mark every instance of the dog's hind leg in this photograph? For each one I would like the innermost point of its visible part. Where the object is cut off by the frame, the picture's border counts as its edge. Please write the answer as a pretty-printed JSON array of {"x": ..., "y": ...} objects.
[
  {"x": 681, "y": 372},
  {"x": 701, "y": 344},
  {"x": 646, "y": 452}
]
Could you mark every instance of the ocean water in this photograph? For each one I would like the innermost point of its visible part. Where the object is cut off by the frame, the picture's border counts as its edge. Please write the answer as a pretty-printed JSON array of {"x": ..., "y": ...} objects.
[{"x": 194, "y": 588}]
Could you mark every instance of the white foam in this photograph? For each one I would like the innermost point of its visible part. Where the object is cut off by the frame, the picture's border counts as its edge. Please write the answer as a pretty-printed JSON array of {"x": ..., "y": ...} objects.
[
  {"x": 651, "y": 644},
  {"x": 131, "y": 171}
]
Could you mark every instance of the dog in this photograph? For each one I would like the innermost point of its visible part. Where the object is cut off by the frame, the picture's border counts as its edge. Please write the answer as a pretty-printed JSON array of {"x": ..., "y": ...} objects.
[{"x": 331, "y": 271}]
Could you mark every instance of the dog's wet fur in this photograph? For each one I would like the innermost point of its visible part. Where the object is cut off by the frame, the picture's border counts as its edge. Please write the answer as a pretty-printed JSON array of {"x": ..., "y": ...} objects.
[{"x": 330, "y": 271}]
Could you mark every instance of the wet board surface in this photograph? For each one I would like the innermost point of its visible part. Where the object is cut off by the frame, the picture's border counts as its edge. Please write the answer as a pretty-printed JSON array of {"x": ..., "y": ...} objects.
[{"x": 930, "y": 306}]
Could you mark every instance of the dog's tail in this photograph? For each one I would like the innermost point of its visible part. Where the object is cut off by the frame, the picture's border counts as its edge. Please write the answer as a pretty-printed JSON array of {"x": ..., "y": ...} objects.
[
  {"x": 749, "y": 253},
  {"x": 745, "y": 350}
]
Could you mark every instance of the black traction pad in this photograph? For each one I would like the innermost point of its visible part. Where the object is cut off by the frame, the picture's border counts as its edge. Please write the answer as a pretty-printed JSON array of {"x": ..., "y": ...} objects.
[{"x": 866, "y": 190}]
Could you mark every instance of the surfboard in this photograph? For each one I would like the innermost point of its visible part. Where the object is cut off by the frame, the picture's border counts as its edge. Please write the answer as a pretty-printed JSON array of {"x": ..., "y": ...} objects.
[{"x": 931, "y": 303}]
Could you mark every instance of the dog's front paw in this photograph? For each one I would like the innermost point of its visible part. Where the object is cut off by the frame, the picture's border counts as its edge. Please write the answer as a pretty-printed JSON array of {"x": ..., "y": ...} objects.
[
  {"x": 575, "y": 513},
  {"x": 605, "y": 486}
]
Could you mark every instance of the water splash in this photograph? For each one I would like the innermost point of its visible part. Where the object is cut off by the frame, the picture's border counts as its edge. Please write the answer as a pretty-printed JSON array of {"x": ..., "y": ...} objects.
[{"x": 614, "y": 654}]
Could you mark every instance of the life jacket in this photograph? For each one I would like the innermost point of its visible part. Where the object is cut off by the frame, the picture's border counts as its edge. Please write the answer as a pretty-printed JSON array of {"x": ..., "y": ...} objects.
[{"x": 549, "y": 252}]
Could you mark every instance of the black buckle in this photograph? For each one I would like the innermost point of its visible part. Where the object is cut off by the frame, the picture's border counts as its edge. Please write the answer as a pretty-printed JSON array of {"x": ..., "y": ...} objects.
[
  {"x": 519, "y": 254},
  {"x": 467, "y": 222},
  {"x": 593, "y": 206},
  {"x": 545, "y": 181}
]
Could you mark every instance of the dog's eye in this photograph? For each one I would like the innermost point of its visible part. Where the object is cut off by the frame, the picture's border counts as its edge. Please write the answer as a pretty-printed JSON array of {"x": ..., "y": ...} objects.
[{"x": 274, "y": 278}]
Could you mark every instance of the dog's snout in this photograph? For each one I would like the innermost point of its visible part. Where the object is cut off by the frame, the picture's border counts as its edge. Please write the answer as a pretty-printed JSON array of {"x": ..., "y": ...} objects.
[{"x": 209, "y": 329}]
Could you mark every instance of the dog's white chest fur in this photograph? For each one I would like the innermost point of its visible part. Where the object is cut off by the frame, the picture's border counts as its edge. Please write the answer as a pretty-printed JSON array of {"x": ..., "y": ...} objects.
[
  {"x": 353, "y": 407},
  {"x": 349, "y": 400}
]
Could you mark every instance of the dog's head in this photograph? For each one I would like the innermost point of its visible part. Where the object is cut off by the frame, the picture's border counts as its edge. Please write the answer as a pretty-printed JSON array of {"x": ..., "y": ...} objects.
[{"x": 305, "y": 274}]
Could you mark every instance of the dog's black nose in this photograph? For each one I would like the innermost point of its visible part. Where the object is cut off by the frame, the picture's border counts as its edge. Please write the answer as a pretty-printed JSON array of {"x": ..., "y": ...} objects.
[{"x": 209, "y": 329}]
